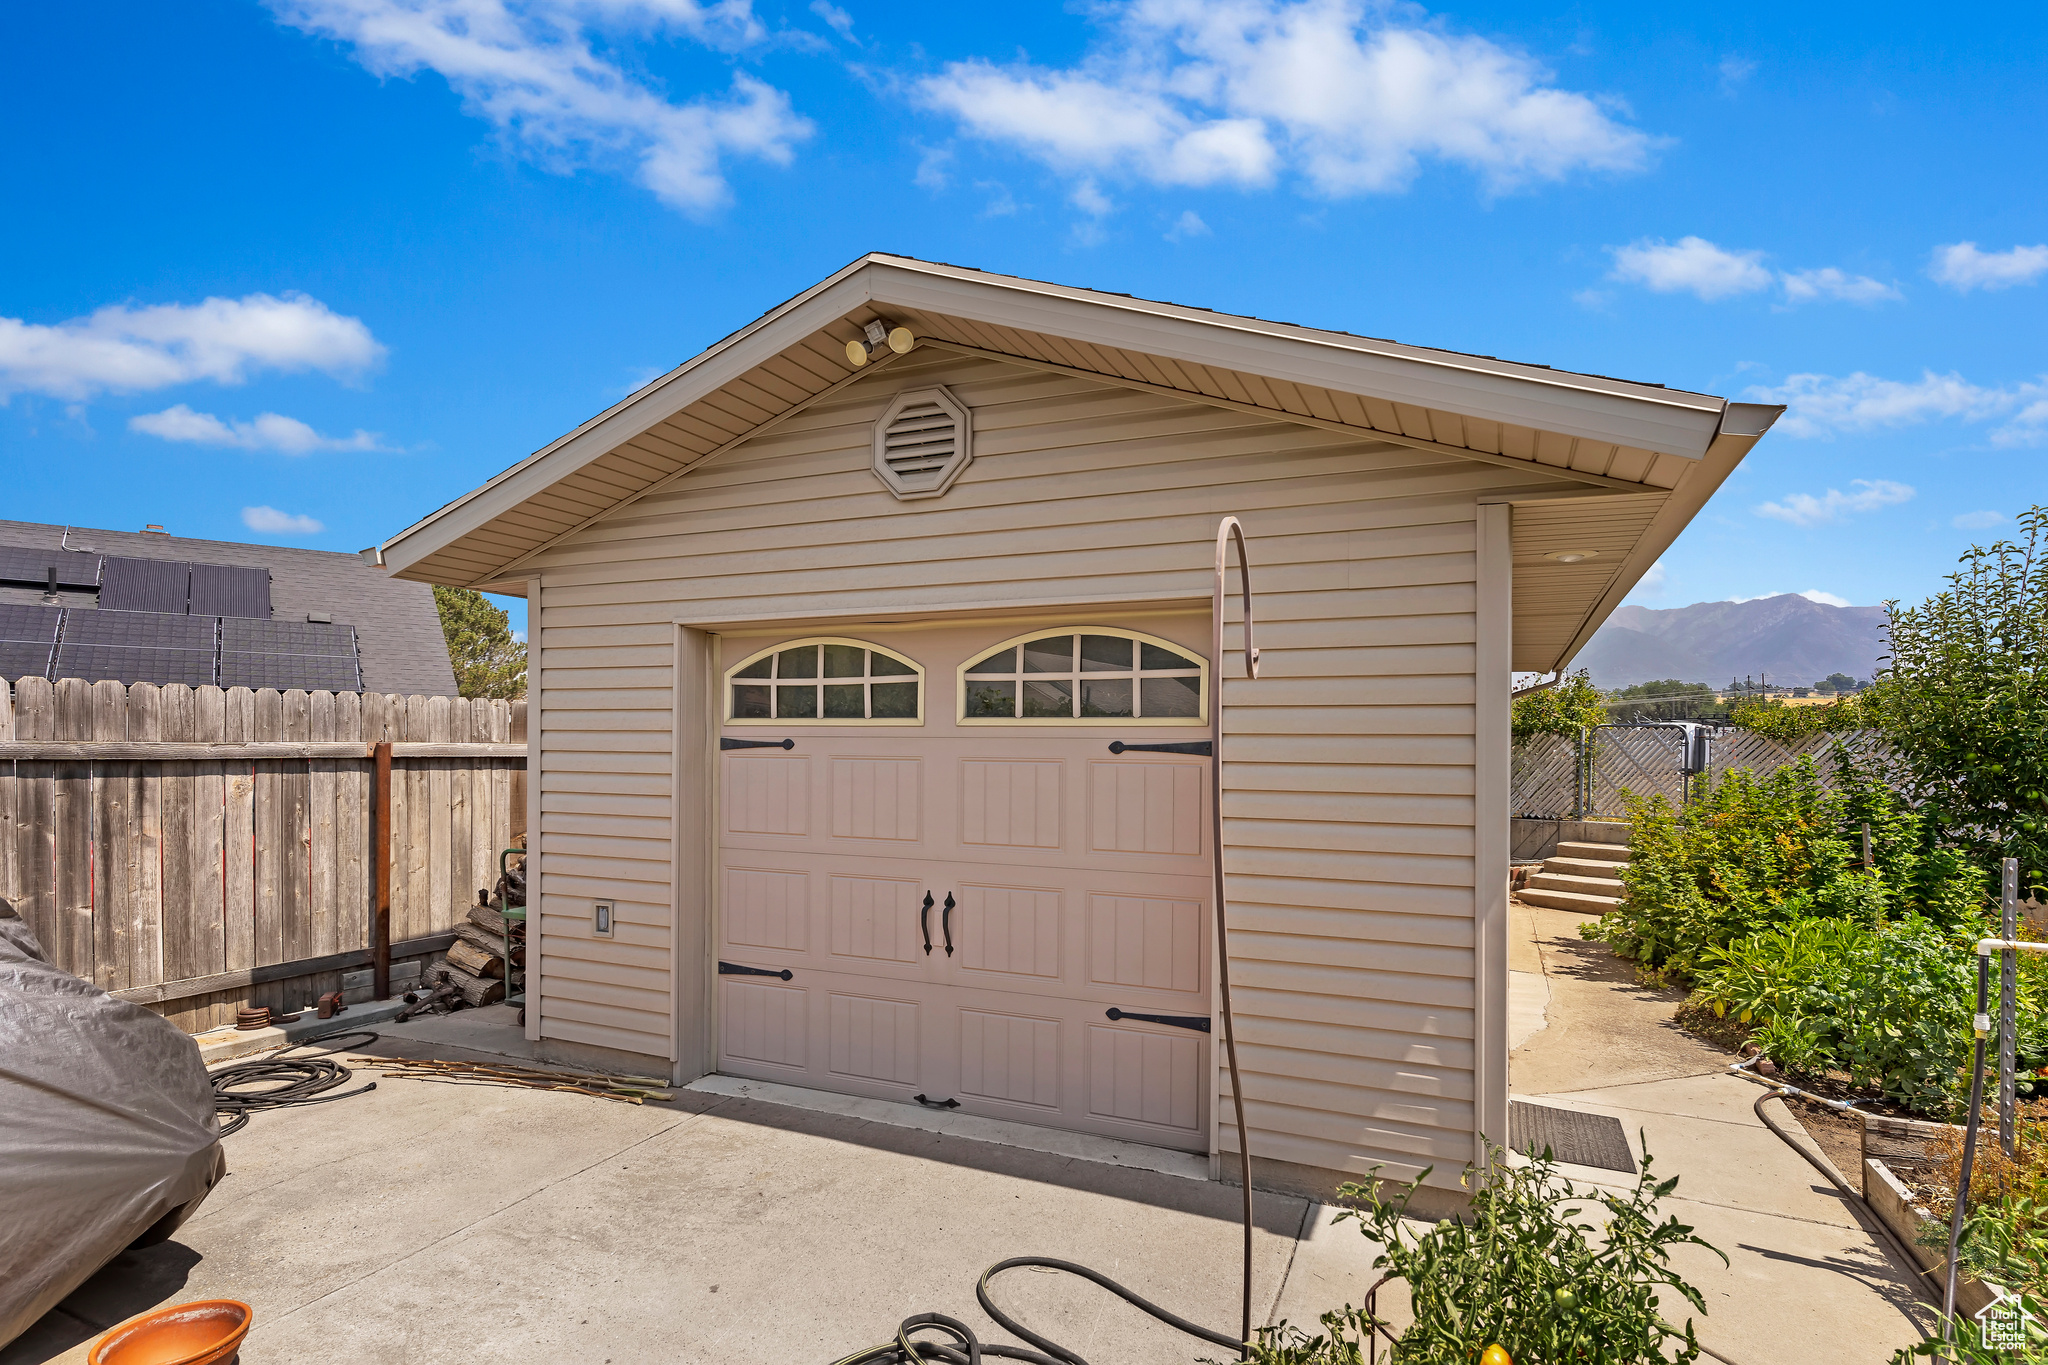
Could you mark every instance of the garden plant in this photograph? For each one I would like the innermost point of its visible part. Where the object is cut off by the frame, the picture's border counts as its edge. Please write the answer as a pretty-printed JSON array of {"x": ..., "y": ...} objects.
[{"x": 1530, "y": 1276}]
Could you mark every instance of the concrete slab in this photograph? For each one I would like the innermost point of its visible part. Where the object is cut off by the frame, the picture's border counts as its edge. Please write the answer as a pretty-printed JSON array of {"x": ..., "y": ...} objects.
[
  {"x": 229, "y": 1044},
  {"x": 1528, "y": 1004}
]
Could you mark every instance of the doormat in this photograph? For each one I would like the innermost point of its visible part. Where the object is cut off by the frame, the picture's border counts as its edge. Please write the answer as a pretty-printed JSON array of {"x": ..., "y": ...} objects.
[{"x": 1579, "y": 1139}]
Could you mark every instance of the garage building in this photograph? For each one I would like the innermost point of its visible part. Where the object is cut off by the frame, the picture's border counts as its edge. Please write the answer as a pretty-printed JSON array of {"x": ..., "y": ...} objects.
[{"x": 855, "y": 639}]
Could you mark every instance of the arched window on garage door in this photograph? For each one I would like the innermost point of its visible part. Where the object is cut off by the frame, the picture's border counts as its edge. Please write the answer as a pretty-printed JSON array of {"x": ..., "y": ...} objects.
[
  {"x": 1082, "y": 675},
  {"x": 825, "y": 681}
]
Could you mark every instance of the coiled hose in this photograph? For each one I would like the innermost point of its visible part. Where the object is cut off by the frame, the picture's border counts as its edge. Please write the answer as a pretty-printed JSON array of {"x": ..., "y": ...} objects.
[
  {"x": 965, "y": 1348},
  {"x": 279, "y": 1081}
]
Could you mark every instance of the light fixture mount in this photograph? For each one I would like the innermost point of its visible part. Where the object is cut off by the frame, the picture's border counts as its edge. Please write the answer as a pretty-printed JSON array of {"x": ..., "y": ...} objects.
[
  {"x": 876, "y": 335},
  {"x": 1572, "y": 556}
]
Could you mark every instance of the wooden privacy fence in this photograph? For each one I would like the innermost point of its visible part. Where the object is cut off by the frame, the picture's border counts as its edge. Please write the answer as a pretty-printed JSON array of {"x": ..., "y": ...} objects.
[{"x": 199, "y": 848}]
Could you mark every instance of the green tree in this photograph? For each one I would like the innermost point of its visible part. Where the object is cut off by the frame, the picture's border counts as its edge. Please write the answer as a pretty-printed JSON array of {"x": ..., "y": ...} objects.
[
  {"x": 1569, "y": 707},
  {"x": 1965, "y": 700},
  {"x": 488, "y": 662},
  {"x": 1837, "y": 682}
]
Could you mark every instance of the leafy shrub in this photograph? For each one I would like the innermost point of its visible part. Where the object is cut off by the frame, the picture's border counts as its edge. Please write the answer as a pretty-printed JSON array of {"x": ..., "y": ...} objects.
[
  {"x": 1568, "y": 709},
  {"x": 1753, "y": 852},
  {"x": 1528, "y": 1271},
  {"x": 1965, "y": 701},
  {"x": 1774, "y": 720},
  {"x": 1889, "y": 1006}
]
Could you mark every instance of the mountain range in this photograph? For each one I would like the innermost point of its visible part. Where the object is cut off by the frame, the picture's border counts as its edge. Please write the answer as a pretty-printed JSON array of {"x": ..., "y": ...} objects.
[{"x": 1786, "y": 639}]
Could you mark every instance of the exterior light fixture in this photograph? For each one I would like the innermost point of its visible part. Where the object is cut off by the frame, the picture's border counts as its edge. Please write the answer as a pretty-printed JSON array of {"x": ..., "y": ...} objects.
[
  {"x": 878, "y": 335},
  {"x": 1572, "y": 556}
]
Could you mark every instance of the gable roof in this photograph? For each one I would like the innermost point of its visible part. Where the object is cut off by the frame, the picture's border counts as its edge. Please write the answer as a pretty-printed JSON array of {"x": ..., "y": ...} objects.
[
  {"x": 1577, "y": 435},
  {"x": 398, "y": 628}
]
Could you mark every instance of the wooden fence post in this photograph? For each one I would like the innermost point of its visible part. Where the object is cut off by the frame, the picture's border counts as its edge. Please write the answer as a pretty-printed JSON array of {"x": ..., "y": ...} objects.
[{"x": 380, "y": 923}]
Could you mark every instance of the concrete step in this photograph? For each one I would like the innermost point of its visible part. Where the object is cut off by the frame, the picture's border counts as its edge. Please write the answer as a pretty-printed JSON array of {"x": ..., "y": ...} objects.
[
  {"x": 1596, "y": 831},
  {"x": 1587, "y": 886},
  {"x": 1606, "y": 853},
  {"x": 1585, "y": 867},
  {"x": 1568, "y": 900}
]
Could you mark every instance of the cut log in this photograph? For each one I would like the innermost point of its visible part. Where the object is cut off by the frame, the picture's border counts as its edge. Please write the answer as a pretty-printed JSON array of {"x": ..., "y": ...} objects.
[
  {"x": 491, "y": 943},
  {"x": 474, "y": 960},
  {"x": 474, "y": 990},
  {"x": 493, "y": 923}
]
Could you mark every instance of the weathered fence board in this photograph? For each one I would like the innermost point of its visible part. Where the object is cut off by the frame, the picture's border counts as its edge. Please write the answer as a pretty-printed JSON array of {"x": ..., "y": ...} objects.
[{"x": 198, "y": 848}]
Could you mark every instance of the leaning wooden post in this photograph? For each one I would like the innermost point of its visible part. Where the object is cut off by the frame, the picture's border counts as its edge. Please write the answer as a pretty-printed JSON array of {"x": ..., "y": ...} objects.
[{"x": 380, "y": 852}]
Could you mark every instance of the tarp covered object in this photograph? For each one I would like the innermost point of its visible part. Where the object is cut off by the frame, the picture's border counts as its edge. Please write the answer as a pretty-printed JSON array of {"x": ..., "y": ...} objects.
[{"x": 107, "y": 1132}]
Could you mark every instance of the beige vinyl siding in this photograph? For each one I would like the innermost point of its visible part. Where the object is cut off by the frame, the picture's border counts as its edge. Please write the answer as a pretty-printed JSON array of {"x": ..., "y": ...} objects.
[{"x": 1349, "y": 810}]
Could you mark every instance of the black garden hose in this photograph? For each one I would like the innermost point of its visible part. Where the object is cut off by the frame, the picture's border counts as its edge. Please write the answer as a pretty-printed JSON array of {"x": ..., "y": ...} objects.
[
  {"x": 278, "y": 1081},
  {"x": 967, "y": 1349},
  {"x": 1857, "y": 1203}
]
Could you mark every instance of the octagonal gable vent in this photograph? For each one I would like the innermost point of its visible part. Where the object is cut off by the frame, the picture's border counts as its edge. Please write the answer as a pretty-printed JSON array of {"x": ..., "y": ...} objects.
[{"x": 922, "y": 442}]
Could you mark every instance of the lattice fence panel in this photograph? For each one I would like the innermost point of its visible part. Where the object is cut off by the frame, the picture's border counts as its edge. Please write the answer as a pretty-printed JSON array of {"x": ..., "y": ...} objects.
[
  {"x": 1733, "y": 748},
  {"x": 1645, "y": 760},
  {"x": 1543, "y": 779}
]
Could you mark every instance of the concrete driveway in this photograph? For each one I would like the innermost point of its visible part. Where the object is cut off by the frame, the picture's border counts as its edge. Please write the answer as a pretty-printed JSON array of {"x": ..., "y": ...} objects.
[{"x": 426, "y": 1222}]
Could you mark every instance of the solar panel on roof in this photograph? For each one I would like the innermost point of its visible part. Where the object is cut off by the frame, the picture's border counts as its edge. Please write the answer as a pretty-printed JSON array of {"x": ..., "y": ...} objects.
[
  {"x": 24, "y": 659},
  {"x": 21, "y": 623},
  {"x": 27, "y": 566},
  {"x": 100, "y": 663},
  {"x": 139, "y": 629},
  {"x": 287, "y": 637},
  {"x": 224, "y": 590},
  {"x": 281, "y": 671},
  {"x": 145, "y": 585}
]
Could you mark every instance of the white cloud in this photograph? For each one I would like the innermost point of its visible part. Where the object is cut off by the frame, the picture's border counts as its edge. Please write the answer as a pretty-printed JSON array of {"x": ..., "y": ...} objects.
[
  {"x": 1652, "y": 584},
  {"x": 1801, "y": 286},
  {"x": 1695, "y": 265},
  {"x": 269, "y": 431},
  {"x": 1977, "y": 521},
  {"x": 1189, "y": 224},
  {"x": 1234, "y": 92},
  {"x": 274, "y": 522},
  {"x": 126, "y": 348},
  {"x": 1734, "y": 72},
  {"x": 1821, "y": 404},
  {"x": 839, "y": 20},
  {"x": 529, "y": 68},
  {"x": 1090, "y": 200},
  {"x": 1962, "y": 267},
  {"x": 1692, "y": 264},
  {"x": 1804, "y": 509}
]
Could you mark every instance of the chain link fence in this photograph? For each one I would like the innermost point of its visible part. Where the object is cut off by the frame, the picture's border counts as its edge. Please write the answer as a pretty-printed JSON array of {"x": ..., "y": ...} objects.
[{"x": 1553, "y": 777}]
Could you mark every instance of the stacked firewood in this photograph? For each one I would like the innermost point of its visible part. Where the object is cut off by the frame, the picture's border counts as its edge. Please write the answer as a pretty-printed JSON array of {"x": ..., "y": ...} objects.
[{"x": 475, "y": 966}]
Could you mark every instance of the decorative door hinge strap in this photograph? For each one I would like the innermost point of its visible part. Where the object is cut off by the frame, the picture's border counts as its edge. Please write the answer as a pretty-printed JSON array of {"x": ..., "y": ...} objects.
[
  {"x": 1198, "y": 1022},
  {"x": 726, "y": 743},
  {"x": 735, "y": 969},
  {"x": 1195, "y": 746}
]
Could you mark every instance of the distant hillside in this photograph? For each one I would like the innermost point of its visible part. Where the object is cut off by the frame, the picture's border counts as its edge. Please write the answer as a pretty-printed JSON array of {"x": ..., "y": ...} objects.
[{"x": 1787, "y": 638}]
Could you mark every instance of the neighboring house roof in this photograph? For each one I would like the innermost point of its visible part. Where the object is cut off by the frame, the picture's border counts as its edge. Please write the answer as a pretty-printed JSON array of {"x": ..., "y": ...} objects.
[
  {"x": 1610, "y": 466},
  {"x": 397, "y": 628}
]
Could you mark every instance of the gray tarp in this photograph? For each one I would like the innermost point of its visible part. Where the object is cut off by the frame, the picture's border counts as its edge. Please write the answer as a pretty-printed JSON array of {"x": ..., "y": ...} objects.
[{"x": 106, "y": 1128}]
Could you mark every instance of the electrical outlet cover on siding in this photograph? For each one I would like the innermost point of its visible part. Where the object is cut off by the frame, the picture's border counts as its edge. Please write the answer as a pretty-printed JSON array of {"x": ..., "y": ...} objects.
[{"x": 923, "y": 442}]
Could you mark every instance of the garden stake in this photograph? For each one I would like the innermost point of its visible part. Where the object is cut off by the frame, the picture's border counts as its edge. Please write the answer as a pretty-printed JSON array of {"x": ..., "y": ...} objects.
[
  {"x": 2008, "y": 1009},
  {"x": 1981, "y": 1025}
]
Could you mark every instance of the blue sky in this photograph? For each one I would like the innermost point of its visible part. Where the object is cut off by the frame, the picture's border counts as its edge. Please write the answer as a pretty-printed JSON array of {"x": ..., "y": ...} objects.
[{"x": 299, "y": 272}]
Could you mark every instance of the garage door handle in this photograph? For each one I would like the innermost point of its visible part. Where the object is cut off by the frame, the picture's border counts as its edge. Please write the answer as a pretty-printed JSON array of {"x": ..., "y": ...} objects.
[
  {"x": 1193, "y": 746},
  {"x": 930, "y": 1103},
  {"x": 946, "y": 924},
  {"x": 924, "y": 919},
  {"x": 725, "y": 743},
  {"x": 1198, "y": 1022},
  {"x": 735, "y": 969}
]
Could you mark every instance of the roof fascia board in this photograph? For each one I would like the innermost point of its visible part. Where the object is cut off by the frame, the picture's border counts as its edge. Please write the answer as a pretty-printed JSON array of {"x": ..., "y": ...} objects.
[
  {"x": 1520, "y": 466},
  {"x": 1608, "y": 411},
  {"x": 526, "y": 557},
  {"x": 761, "y": 340},
  {"x": 1741, "y": 428}
]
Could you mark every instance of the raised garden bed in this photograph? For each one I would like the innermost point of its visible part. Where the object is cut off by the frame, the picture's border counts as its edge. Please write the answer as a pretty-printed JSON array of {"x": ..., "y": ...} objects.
[{"x": 1898, "y": 1159}]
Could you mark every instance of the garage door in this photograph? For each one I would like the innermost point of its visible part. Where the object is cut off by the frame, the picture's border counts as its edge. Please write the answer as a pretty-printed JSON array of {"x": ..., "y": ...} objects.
[{"x": 938, "y": 880}]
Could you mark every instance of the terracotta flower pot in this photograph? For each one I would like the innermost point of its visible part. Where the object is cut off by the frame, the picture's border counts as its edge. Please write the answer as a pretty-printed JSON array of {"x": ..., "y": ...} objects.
[{"x": 207, "y": 1332}]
